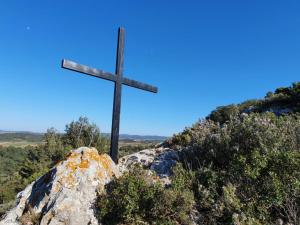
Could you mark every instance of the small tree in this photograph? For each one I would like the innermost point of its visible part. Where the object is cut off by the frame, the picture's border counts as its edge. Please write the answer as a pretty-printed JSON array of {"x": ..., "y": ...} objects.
[
  {"x": 54, "y": 145},
  {"x": 83, "y": 133}
]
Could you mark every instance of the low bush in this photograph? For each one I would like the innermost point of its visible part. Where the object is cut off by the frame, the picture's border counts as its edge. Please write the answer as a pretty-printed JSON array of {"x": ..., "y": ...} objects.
[{"x": 136, "y": 198}]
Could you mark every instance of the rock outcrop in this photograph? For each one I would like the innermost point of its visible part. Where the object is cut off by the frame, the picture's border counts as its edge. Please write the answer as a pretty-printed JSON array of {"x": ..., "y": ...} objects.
[
  {"x": 66, "y": 194},
  {"x": 158, "y": 160}
]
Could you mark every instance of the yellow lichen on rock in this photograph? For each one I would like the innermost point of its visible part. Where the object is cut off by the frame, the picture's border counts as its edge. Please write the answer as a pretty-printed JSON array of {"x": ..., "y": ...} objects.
[
  {"x": 78, "y": 162},
  {"x": 106, "y": 161},
  {"x": 84, "y": 164},
  {"x": 69, "y": 195},
  {"x": 100, "y": 174},
  {"x": 72, "y": 165}
]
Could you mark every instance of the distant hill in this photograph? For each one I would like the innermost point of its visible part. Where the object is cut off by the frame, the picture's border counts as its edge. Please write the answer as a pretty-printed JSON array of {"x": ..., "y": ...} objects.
[
  {"x": 20, "y": 136},
  {"x": 14, "y": 136},
  {"x": 140, "y": 137}
]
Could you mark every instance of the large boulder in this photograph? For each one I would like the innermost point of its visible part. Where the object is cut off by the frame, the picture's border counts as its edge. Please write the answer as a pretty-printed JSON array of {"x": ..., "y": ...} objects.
[{"x": 66, "y": 194}]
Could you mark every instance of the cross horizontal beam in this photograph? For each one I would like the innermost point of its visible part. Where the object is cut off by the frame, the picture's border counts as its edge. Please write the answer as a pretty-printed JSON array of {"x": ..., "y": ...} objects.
[{"x": 70, "y": 65}]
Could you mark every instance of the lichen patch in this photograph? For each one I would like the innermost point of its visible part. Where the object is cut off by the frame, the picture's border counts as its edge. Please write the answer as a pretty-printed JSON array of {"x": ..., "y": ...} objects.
[{"x": 84, "y": 164}]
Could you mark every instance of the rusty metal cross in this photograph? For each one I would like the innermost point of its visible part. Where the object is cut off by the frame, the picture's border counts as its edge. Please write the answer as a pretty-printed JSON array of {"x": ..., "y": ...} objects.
[{"x": 118, "y": 79}]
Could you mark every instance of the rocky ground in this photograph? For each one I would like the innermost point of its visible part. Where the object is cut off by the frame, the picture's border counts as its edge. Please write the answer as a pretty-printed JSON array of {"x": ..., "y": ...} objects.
[{"x": 66, "y": 194}]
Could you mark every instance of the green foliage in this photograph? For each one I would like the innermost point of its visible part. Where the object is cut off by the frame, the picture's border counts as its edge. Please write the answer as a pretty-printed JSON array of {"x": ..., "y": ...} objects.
[
  {"x": 245, "y": 170},
  {"x": 54, "y": 146},
  {"x": 283, "y": 98},
  {"x": 11, "y": 161},
  {"x": 82, "y": 133},
  {"x": 136, "y": 199},
  {"x": 224, "y": 113}
]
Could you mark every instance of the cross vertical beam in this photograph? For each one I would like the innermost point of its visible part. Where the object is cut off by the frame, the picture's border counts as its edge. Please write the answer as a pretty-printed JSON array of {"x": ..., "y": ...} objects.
[{"x": 117, "y": 97}]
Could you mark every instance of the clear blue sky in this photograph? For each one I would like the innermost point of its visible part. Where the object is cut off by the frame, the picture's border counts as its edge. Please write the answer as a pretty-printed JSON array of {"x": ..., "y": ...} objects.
[{"x": 201, "y": 54}]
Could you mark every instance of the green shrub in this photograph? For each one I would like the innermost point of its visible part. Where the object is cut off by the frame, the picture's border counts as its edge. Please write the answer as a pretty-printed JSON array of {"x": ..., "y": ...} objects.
[
  {"x": 224, "y": 113},
  {"x": 247, "y": 169},
  {"x": 282, "y": 98},
  {"x": 136, "y": 198},
  {"x": 82, "y": 133}
]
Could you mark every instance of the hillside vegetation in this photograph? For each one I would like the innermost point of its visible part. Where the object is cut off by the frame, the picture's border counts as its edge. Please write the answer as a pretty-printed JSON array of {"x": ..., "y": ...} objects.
[
  {"x": 21, "y": 136},
  {"x": 20, "y": 139},
  {"x": 244, "y": 162},
  {"x": 240, "y": 165},
  {"x": 284, "y": 100}
]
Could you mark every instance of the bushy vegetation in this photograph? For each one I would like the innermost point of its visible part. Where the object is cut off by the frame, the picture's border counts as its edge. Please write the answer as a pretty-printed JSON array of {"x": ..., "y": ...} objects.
[
  {"x": 83, "y": 133},
  {"x": 136, "y": 198},
  {"x": 284, "y": 100},
  {"x": 245, "y": 171},
  {"x": 240, "y": 165},
  {"x": 11, "y": 161}
]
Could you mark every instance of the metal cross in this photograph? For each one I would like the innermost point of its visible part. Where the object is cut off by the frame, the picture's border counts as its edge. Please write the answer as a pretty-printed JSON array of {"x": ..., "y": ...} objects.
[{"x": 118, "y": 79}]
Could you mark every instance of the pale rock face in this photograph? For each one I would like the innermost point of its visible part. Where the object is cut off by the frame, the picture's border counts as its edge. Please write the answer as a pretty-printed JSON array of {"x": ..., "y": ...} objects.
[
  {"x": 158, "y": 160},
  {"x": 66, "y": 194}
]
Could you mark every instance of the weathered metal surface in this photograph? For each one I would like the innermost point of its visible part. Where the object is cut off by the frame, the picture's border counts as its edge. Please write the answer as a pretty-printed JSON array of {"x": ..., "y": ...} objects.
[
  {"x": 71, "y": 65},
  {"x": 117, "y": 97},
  {"x": 118, "y": 79},
  {"x": 139, "y": 85}
]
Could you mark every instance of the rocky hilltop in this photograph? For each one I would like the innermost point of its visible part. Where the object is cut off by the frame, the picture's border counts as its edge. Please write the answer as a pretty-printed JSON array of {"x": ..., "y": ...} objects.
[{"x": 66, "y": 194}]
